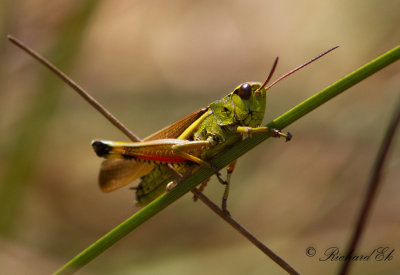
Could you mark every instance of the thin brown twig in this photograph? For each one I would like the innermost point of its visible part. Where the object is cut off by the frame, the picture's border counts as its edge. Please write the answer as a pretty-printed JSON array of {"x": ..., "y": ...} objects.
[
  {"x": 372, "y": 189},
  {"x": 134, "y": 138},
  {"x": 95, "y": 104},
  {"x": 244, "y": 232}
]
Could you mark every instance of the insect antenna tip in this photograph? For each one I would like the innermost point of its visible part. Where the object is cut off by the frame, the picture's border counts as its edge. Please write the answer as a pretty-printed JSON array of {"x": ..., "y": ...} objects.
[{"x": 269, "y": 75}]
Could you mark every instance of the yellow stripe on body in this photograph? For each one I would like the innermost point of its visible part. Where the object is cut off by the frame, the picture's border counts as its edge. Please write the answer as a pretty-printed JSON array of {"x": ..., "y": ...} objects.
[{"x": 193, "y": 127}]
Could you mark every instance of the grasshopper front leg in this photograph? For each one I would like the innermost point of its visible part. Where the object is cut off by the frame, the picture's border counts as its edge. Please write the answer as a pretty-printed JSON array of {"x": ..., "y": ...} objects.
[{"x": 276, "y": 133}]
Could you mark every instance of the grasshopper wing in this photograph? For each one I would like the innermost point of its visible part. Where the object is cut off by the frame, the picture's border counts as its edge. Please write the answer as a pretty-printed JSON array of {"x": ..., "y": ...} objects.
[
  {"x": 115, "y": 173},
  {"x": 175, "y": 129}
]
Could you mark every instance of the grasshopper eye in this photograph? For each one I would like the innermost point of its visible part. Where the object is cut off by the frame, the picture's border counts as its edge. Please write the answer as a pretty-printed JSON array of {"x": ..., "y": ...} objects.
[{"x": 244, "y": 91}]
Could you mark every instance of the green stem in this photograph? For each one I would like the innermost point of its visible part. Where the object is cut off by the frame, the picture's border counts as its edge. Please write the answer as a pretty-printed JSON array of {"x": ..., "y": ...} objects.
[{"x": 224, "y": 159}]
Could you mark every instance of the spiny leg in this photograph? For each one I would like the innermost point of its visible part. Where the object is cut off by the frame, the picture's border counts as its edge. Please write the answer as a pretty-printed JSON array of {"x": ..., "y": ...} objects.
[
  {"x": 276, "y": 133},
  {"x": 229, "y": 171}
]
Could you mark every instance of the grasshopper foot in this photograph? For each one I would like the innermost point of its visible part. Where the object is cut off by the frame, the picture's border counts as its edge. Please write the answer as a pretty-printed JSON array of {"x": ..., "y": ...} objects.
[
  {"x": 288, "y": 136},
  {"x": 278, "y": 133}
]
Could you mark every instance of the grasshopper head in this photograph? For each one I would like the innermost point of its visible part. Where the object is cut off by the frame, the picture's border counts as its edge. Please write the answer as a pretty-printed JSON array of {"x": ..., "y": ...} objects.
[{"x": 248, "y": 102}]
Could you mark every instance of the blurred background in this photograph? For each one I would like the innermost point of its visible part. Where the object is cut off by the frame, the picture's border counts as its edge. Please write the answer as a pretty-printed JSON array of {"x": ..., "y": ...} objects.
[{"x": 150, "y": 63}]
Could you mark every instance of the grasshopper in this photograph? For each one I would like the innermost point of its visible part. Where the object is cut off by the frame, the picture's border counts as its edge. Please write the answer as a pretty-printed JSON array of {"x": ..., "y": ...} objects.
[
  {"x": 193, "y": 140},
  {"x": 163, "y": 158}
]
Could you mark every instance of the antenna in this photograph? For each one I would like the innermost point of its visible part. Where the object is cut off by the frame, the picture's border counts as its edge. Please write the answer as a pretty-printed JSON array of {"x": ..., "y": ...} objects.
[
  {"x": 269, "y": 75},
  {"x": 298, "y": 68}
]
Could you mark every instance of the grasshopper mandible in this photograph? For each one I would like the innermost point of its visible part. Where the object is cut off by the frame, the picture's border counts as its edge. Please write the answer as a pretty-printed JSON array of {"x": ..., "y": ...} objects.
[{"x": 194, "y": 139}]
